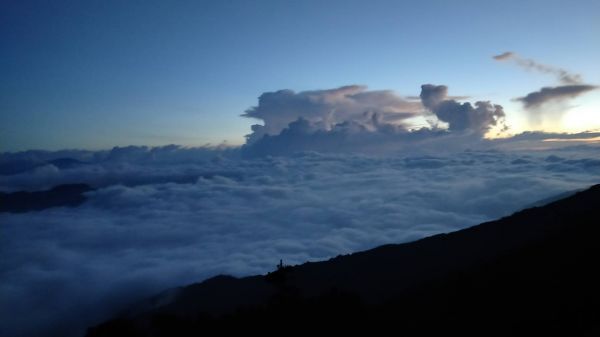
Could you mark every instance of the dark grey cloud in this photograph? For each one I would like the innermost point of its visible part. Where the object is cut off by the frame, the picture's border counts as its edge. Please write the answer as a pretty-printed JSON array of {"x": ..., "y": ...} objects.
[
  {"x": 461, "y": 116},
  {"x": 432, "y": 95},
  {"x": 554, "y": 94},
  {"x": 504, "y": 56},
  {"x": 563, "y": 75}
]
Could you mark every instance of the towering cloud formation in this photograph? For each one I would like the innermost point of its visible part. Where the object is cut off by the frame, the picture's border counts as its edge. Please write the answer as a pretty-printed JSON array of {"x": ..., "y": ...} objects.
[
  {"x": 324, "y": 109},
  {"x": 461, "y": 117},
  {"x": 572, "y": 85},
  {"x": 353, "y": 119}
]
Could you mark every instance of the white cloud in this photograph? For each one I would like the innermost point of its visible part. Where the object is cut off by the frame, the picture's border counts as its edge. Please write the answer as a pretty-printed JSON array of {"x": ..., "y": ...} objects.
[
  {"x": 354, "y": 119},
  {"x": 324, "y": 109},
  {"x": 174, "y": 220}
]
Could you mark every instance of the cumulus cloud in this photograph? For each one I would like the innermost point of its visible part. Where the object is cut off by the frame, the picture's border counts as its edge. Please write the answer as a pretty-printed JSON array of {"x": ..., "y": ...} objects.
[
  {"x": 554, "y": 94},
  {"x": 324, "y": 109},
  {"x": 561, "y": 74},
  {"x": 67, "y": 266},
  {"x": 461, "y": 116},
  {"x": 353, "y": 119}
]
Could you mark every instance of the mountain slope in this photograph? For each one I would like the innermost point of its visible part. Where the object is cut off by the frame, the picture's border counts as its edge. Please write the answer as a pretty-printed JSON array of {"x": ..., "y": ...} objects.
[{"x": 527, "y": 274}]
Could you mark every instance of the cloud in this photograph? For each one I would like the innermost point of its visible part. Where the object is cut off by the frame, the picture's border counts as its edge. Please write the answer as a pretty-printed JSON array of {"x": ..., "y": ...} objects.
[
  {"x": 554, "y": 94},
  {"x": 324, "y": 109},
  {"x": 554, "y": 141},
  {"x": 131, "y": 166},
  {"x": 432, "y": 95},
  {"x": 461, "y": 116},
  {"x": 353, "y": 119},
  {"x": 66, "y": 268},
  {"x": 348, "y": 137},
  {"x": 504, "y": 56},
  {"x": 562, "y": 75},
  {"x": 548, "y": 102}
]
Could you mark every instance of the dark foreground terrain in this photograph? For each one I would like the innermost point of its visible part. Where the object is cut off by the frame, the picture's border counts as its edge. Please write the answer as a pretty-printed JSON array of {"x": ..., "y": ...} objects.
[{"x": 535, "y": 273}]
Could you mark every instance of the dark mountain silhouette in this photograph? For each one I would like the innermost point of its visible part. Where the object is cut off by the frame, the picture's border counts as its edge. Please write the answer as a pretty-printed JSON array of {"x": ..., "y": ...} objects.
[
  {"x": 545, "y": 201},
  {"x": 533, "y": 273},
  {"x": 70, "y": 195}
]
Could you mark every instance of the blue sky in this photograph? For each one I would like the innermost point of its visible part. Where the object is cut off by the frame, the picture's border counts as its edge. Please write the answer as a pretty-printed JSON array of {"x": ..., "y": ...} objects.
[{"x": 97, "y": 74}]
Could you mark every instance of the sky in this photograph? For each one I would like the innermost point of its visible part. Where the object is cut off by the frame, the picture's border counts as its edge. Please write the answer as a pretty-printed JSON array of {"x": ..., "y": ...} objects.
[
  {"x": 98, "y": 74},
  {"x": 302, "y": 130}
]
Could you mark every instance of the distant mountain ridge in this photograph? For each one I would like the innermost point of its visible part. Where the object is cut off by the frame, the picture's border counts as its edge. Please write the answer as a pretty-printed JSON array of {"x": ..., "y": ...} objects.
[
  {"x": 532, "y": 273},
  {"x": 67, "y": 195}
]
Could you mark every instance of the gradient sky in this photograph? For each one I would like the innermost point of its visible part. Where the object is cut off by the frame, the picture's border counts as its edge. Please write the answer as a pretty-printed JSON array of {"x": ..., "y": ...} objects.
[{"x": 96, "y": 74}]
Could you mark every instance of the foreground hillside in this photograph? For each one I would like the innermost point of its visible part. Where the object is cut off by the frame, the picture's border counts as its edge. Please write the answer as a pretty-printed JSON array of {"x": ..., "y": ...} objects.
[{"x": 533, "y": 273}]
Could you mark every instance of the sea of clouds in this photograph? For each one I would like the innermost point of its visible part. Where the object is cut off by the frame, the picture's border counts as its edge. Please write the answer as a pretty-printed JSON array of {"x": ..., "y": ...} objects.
[
  {"x": 328, "y": 172},
  {"x": 161, "y": 219}
]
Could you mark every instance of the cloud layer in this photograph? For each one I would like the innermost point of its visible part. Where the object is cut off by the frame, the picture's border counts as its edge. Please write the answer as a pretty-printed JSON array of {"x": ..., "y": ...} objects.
[{"x": 161, "y": 219}]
